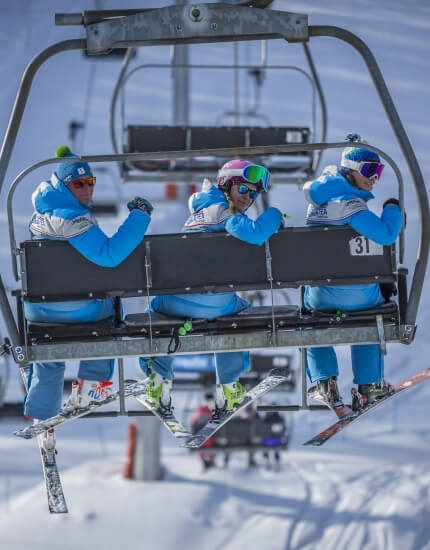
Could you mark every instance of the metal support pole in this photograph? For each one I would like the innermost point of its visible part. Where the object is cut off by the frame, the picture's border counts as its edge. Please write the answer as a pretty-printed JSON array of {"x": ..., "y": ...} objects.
[
  {"x": 9, "y": 320},
  {"x": 303, "y": 354},
  {"x": 147, "y": 464},
  {"x": 121, "y": 385}
]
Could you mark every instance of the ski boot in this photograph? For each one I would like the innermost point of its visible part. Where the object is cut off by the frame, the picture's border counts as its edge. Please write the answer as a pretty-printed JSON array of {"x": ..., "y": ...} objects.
[
  {"x": 85, "y": 392},
  {"x": 328, "y": 391},
  {"x": 158, "y": 391},
  {"x": 227, "y": 398},
  {"x": 366, "y": 394}
]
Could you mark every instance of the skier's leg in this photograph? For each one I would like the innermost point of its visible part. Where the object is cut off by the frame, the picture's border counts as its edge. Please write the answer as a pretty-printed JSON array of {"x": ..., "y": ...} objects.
[
  {"x": 229, "y": 391},
  {"x": 160, "y": 371},
  {"x": 93, "y": 384},
  {"x": 321, "y": 363},
  {"x": 367, "y": 364},
  {"x": 229, "y": 366},
  {"x": 160, "y": 365},
  {"x": 96, "y": 369},
  {"x": 322, "y": 368},
  {"x": 46, "y": 390}
]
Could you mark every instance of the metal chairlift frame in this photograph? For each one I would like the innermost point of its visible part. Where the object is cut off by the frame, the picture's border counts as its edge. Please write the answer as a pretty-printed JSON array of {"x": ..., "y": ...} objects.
[{"x": 201, "y": 23}]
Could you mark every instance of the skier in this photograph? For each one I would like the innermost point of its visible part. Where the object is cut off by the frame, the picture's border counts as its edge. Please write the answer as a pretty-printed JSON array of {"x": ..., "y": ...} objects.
[
  {"x": 339, "y": 197},
  {"x": 199, "y": 419},
  {"x": 62, "y": 210},
  {"x": 278, "y": 430},
  {"x": 219, "y": 207}
]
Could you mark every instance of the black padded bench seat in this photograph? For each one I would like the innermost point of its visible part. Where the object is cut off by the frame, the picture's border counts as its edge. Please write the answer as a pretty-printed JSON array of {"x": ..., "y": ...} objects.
[
  {"x": 253, "y": 317},
  {"x": 140, "y": 324},
  {"x": 48, "y": 332}
]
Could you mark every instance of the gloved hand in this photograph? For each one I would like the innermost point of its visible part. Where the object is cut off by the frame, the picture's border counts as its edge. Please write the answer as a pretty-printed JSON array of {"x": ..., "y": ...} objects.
[
  {"x": 397, "y": 203},
  {"x": 138, "y": 203},
  {"x": 391, "y": 201}
]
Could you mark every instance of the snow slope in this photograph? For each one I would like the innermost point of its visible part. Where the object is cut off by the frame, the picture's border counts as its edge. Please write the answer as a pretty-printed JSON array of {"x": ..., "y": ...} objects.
[{"x": 366, "y": 489}]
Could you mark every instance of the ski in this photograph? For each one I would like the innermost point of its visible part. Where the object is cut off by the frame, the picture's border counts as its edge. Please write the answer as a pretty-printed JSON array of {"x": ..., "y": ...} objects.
[
  {"x": 54, "y": 490},
  {"x": 275, "y": 377},
  {"x": 166, "y": 416},
  {"x": 131, "y": 389},
  {"x": 338, "y": 426}
]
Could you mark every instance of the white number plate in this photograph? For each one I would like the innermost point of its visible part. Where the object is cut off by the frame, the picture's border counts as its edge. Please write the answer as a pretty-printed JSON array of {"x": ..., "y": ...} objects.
[{"x": 362, "y": 246}]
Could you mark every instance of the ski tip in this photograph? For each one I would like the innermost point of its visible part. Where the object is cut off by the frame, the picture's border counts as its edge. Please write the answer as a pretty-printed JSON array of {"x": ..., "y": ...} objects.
[
  {"x": 190, "y": 444},
  {"x": 182, "y": 435},
  {"x": 280, "y": 371},
  {"x": 22, "y": 433},
  {"x": 314, "y": 442}
]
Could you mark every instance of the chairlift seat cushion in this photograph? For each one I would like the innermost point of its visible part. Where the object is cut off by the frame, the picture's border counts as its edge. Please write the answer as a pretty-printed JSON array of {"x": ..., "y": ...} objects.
[
  {"x": 258, "y": 317},
  {"x": 141, "y": 323},
  {"x": 388, "y": 310},
  {"x": 40, "y": 332}
]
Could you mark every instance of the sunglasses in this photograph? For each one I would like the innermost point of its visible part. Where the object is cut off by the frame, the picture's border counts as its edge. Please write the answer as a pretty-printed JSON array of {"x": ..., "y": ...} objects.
[
  {"x": 252, "y": 173},
  {"x": 244, "y": 189},
  {"x": 80, "y": 183},
  {"x": 371, "y": 169}
]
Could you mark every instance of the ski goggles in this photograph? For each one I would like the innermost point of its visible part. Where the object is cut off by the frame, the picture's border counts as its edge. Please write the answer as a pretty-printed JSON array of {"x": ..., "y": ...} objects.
[
  {"x": 81, "y": 182},
  {"x": 371, "y": 169},
  {"x": 366, "y": 168},
  {"x": 252, "y": 173},
  {"x": 244, "y": 189}
]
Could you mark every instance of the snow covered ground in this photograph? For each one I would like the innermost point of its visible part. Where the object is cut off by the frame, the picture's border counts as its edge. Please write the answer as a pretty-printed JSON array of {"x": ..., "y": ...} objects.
[{"x": 366, "y": 489}]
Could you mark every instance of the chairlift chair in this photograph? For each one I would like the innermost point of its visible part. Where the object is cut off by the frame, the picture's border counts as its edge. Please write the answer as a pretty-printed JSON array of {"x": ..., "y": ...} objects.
[{"x": 148, "y": 270}]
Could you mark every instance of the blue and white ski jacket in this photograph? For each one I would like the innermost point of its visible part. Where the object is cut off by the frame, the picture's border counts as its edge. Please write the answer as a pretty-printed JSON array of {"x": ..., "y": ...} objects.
[
  {"x": 59, "y": 215},
  {"x": 334, "y": 201},
  {"x": 209, "y": 213}
]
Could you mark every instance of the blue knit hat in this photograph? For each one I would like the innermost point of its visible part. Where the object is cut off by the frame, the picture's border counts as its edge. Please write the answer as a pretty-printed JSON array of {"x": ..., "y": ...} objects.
[
  {"x": 69, "y": 171},
  {"x": 352, "y": 156}
]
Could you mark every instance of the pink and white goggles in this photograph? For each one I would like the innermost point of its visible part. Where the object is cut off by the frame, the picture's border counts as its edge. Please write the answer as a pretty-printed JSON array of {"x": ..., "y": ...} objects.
[
  {"x": 371, "y": 170},
  {"x": 253, "y": 173}
]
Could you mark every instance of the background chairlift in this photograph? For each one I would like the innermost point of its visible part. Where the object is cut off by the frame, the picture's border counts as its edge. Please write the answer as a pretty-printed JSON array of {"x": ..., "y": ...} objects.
[
  {"x": 287, "y": 167},
  {"x": 261, "y": 328}
]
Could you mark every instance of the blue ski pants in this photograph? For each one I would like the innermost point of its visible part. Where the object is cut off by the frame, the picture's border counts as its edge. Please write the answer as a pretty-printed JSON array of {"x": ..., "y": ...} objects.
[
  {"x": 367, "y": 360},
  {"x": 228, "y": 366}
]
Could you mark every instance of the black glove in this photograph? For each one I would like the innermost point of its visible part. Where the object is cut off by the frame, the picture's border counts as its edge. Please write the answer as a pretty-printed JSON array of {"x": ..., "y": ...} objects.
[
  {"x": 140, "y": 204},
  {"x": 391, "y": 201}
]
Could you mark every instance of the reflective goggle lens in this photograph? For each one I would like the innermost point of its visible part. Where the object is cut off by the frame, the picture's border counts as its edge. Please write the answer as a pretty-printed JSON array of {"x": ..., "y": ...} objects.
[
  {"x": 79, "y": 183},
  {"x": 255, "y": 173},
  {"x": 244, "y": 189},
  {"x": 371, "y": 169}
]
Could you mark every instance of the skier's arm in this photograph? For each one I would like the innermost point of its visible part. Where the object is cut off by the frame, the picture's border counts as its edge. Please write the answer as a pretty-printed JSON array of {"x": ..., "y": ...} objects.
[
  {"x": 111, "y": 251},
  {"x": 254, "y": 232},
  {"x": 383, "y": 230},
  {"x": 320, "y": 191}
]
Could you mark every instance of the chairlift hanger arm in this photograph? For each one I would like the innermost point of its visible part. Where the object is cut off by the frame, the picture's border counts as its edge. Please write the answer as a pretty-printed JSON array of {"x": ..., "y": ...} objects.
[
  {"x": 194, "y": 24},
  {"x": 90, "y": 17}
]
